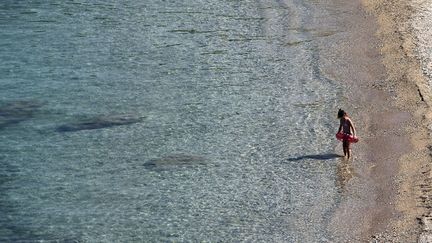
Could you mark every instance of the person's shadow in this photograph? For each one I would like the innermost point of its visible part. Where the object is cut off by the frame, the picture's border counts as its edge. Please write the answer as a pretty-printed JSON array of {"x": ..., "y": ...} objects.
[
  {"x": 316, "y": 157},
  {"x": 344, "y": 170}
]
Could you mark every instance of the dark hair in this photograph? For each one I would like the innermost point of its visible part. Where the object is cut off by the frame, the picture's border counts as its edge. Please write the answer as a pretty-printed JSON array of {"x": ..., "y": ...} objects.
[{"x": 341, "y": 113}]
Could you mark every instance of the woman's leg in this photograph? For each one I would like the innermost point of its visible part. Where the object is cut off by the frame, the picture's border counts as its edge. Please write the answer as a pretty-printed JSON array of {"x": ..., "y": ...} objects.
[
  {"x": 348, "y": 149},
  {"x": 345, "y": 147}
]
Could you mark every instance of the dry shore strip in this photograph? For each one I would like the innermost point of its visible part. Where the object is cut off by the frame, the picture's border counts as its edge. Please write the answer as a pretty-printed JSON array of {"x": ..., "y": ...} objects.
[{"x": 402, "y": 30}]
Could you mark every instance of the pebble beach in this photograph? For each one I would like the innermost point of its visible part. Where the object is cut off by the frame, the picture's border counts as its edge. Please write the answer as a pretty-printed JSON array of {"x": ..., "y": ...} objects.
[{"x": 404, "y": 128}]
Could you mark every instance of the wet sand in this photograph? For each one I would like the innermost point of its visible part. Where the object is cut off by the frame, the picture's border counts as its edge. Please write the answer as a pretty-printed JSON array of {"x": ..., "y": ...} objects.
[
  {"x": 403, "y": 54},
  {"x": 411, "y": 95},
  {"x": 385, "y": 185}
]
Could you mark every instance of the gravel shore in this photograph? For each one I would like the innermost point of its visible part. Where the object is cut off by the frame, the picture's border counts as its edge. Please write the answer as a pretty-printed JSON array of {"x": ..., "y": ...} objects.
[
  {"x": 405, "y": 35},
  {"x": 383, "y": 63}
]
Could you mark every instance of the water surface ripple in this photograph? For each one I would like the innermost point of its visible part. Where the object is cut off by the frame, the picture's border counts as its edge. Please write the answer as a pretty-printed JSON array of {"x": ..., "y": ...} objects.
[{"x": 192, "y": 120}]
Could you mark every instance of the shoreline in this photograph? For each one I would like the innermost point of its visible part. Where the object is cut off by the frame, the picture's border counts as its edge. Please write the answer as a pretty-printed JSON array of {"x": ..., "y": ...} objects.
[
  {"x": 386, "y": 198},
  {"x": 367, "y": 181},
  {"x": 408, "y": 82},
  {"x": 386, "y": 185}
]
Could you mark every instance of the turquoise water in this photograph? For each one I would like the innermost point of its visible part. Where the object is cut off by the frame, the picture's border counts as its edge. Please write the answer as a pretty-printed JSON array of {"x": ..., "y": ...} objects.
[{"x": 149, "y": 121}]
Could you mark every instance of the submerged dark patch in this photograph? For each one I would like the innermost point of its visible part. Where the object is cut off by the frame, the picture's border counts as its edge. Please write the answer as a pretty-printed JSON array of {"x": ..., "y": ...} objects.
[
  {"x": 16, "y": 112},
  {"x": 98, "y": 123},
  {"x": 175, "y": 160}
]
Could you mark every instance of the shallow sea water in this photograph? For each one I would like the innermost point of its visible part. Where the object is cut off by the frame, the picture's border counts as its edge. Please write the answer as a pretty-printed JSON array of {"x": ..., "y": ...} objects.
[{"x": 186, "y": 120}]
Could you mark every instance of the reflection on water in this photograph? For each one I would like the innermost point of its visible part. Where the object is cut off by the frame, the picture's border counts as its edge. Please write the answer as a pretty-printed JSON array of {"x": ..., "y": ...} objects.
[{"x": 345, "y": 172}]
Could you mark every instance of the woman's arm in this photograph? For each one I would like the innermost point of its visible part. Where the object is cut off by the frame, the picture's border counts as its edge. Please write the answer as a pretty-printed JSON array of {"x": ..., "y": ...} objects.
[
  {"x": 352, "y": 127},
  {"x": 340, "y": 126}
]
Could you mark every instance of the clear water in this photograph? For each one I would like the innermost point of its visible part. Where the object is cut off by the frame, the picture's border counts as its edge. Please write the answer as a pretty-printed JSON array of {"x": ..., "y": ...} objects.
[{"x": 232, "y": 141}]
